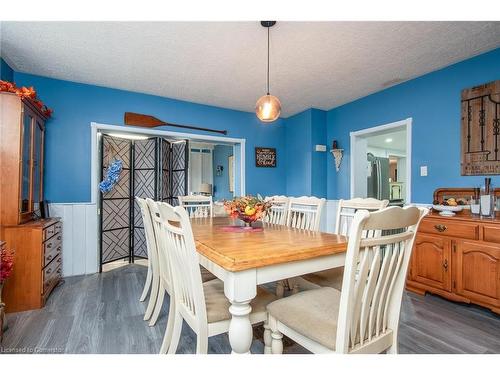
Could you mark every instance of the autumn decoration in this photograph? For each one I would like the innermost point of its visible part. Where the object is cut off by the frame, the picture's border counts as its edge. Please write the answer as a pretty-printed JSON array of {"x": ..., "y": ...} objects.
[
  {"x": 25, "y": 92},
  {"x": 248, "y": 209}
]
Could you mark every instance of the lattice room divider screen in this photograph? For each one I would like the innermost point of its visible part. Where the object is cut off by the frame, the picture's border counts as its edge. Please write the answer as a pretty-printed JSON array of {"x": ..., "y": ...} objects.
[{"x": 153, "y": 168}]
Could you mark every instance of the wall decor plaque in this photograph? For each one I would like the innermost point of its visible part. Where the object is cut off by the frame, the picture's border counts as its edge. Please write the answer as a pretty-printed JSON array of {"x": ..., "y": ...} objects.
[
  {"x": 265, "y": 157},
  {"x": 480, "y": 134}
]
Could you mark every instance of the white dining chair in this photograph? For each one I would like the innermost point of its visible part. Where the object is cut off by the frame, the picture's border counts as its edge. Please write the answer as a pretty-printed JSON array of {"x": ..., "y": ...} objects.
[
  {"x": 364, "y": 316},
  {"x": 197, "y": 205},
  {"x": 305, "y": 213},
  {"x": 152, "y": 283},
  {"x": 345, "y": 214},
  {"x": 162, "y": 267},
  {"x": 302, "y": 213},
  {"x": 277, "y": 213},
  {"x": 165, "y": 282},
  {"x": 203, "y": 306}
]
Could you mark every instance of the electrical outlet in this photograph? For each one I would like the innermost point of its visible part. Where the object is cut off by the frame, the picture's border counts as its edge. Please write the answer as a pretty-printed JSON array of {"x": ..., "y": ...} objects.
[
  {"x": 321, "y": 148},
  {"x": 423, "y": 170}
]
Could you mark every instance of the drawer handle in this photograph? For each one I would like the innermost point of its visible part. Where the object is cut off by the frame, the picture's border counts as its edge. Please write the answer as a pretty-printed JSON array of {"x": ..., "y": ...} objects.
[
  {"x": 59, "y": 260},
  {"x": 440, "y": 227},
  {"x": 49, "y": 271},
  {"x": 49, "y": 257},
  {"x": 58, "y": 237},
  {"x": 49, "y": 245},
  {"x": 445, "y": 264}
]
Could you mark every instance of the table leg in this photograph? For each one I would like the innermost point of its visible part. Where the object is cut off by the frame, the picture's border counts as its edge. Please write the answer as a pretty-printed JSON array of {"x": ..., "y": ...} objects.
[
  {"x": 240, "y": 288},
  {"x": 240, "y": 329}
]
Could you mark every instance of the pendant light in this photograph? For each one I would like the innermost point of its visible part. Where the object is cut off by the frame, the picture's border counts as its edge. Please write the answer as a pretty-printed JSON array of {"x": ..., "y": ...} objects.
[{"x": 268, "y": 107}]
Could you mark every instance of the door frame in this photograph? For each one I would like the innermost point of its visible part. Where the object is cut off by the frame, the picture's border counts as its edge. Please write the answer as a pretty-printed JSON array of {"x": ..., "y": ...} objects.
[
  {"x": 97, "y": 128},
  {"x": 397, "y": 125}
]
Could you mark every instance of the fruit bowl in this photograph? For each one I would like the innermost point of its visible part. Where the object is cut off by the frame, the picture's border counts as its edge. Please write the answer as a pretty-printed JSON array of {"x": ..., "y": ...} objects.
[
  {"x": 248, "y": 209},
  {"x": 447, "y": 210}
]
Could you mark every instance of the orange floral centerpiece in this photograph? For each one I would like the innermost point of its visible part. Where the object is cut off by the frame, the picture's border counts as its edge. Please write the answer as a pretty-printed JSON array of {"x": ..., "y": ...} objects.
[{"x": 248, "y": 209}]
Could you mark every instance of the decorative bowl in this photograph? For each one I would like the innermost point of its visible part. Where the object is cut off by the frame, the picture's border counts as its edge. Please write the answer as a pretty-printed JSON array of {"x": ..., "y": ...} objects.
[
  {"x": 447, "y": 210},
  {"x": 248, "y": 209}
]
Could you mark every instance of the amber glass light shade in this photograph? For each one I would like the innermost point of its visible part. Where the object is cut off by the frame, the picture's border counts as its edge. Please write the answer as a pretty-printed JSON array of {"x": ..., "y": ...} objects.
[{"x": 268, "y": 108}]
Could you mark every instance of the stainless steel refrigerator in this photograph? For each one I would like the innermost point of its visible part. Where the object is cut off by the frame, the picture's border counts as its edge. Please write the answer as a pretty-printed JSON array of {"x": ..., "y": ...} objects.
[{"x": 378, "y": 177}]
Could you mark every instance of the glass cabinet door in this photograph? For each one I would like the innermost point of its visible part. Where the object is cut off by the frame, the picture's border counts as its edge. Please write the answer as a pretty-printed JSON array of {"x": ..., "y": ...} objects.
[
  {"x": 26, "y": 171},
  {"x": 37, "y": 163}
]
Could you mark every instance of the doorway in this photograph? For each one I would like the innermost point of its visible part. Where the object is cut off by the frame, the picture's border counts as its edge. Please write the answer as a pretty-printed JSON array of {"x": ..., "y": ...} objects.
[
  {"x": 381, "y": 162},
  {"x": 233, "y": 165}
]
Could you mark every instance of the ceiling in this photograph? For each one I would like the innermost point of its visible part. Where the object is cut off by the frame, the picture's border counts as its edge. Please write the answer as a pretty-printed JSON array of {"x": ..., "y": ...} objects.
[
  {"x": 313, "y": 64},
  {"x": 380, "y": 140}
]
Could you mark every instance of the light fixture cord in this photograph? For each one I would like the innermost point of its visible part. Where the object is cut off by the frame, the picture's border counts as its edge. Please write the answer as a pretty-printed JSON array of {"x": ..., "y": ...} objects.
[{"x": 268, "y": 60}]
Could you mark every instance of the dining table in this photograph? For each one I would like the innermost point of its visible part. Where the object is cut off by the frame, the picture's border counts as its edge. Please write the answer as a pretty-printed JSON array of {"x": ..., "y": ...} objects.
[{"x": 245, "y": 258}]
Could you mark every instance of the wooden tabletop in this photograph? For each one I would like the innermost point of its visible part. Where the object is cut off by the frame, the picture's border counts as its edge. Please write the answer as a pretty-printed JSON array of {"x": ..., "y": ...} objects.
[{"x": 275, "y": 244}]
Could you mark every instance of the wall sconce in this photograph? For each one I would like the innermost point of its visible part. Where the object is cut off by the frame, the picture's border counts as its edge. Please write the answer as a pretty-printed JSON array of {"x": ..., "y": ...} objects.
[{"x": 337, "y": 154}]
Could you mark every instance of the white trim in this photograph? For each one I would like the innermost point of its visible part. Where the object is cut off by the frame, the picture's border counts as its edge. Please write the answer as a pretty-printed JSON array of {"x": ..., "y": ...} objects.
[
  {"x": 398, "y": 124},
  {"x": 96, "y": 127}
]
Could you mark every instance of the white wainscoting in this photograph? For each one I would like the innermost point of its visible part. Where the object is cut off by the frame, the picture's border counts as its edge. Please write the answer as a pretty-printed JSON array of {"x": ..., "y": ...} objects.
[
  {"x": 80, "y": 250},
  {"x": 329, "y": 216}
]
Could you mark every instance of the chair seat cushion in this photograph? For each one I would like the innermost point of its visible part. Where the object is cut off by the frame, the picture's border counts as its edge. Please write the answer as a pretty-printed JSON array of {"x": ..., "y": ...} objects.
[
  {"x": 331, "y": 278},
  {"x": 218, "y": 304},
  {"x": 312, "y": 314}
]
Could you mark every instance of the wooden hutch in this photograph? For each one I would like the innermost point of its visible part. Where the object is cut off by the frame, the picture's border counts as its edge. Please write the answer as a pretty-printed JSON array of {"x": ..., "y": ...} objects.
[
  {"x": 458, "y": 257},
  {"x": 37, "y": 242}
]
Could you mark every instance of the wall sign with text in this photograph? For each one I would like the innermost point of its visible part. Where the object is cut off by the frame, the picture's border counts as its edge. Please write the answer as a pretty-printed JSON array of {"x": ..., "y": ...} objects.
[{"x": 265, "y": 157}]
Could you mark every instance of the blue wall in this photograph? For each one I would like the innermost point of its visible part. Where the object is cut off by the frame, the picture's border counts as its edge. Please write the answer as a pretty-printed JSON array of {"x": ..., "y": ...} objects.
[
  {"x": 306, "y": 168},
  {"x": 67, "y": 169},
  {"x": 319, "y": 159},
  {"x": 433, "y": 101},
  {"x": 298, "y": 154},
  {"x": 6, "y": 72},
  {"x": 221, "y": 154}
]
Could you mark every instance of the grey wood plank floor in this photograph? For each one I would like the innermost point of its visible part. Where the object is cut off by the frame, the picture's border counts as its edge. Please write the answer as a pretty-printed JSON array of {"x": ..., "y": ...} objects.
[{"x": 101, "y": 314}]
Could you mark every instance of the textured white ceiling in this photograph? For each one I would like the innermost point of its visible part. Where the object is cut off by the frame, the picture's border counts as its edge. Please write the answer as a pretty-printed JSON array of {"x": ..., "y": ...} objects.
[
  {"x": 313, "y": 64},
  {"x": 379, "y": 140}
]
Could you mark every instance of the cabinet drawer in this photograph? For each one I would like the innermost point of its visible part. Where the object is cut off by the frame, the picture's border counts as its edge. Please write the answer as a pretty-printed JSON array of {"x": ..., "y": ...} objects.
[
  {"x": 58, "y": 227},
  {"x": 491, "y": 233},
  {"x": 48, "y": 232},
  {"x": 51, "y": 244},
  {"x": 448, "y": 228},
  {"x": 51, "y": 252},
  {"x": 52, "y": 230},
  {"x": 52, "y": 273}
]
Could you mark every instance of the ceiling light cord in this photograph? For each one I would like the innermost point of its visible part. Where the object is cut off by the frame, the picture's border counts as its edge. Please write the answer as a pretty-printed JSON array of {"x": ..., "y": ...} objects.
[{"x": 268, "y": 60}]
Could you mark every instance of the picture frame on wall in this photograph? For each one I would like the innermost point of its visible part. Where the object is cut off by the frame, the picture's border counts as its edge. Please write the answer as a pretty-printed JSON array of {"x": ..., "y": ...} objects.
[{"x": 265, "y": 157}]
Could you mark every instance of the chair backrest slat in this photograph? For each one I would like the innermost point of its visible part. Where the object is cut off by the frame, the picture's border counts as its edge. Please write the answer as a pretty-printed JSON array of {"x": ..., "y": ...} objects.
[
  {"x": 374, "y": 275},
  {"x": 197, "y": 205},
  {"x": 305, "y": 213}
]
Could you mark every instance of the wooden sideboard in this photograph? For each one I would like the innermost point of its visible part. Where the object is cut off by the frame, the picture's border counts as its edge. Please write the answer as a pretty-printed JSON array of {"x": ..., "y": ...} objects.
[
  {"x": 458, "y": 258},
  {"x": 38, "y": 263}
]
